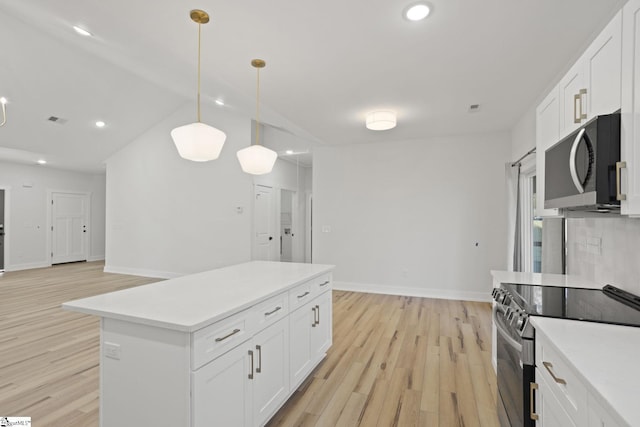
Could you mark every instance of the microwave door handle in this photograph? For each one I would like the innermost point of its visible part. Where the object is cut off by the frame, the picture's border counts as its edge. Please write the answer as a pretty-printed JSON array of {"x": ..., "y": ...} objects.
[{"x": 572, "y": 162}]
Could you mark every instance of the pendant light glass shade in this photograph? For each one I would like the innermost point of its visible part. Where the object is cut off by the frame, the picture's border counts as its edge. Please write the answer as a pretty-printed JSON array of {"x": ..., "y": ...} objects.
[
  {"x": 197, "y": 141},
  {"x": 257, "y": 159}
]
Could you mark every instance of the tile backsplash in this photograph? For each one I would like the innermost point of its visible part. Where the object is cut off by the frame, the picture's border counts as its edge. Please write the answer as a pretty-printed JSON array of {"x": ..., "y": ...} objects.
[{"x": 606, "y": 250}]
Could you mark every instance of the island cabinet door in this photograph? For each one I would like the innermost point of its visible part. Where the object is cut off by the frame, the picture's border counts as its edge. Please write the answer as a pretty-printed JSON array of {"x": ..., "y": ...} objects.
[
  {"x": 222, "y": 390},
  {"x": 271, "y": 378},
  {"x": 300, "y": 324},
  {"x": 321, "y": 332}
]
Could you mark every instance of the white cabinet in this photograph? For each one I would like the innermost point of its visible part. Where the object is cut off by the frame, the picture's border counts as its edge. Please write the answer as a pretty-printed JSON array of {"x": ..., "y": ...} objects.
[
  {"x": 630, "y": 117},
  {"x": 548, "y": 409},
  {"x": 547, "y": 134},
  {"x": 311, "y": 336},
  {"x": 271, "y": 375},
  {"x": 562, "y": 397},
  {"x": 221, "y": 393},
  {"x": 592, "y": 86}
]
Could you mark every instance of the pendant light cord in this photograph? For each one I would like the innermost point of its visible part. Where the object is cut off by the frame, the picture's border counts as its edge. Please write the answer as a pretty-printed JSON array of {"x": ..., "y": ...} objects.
[
  {"x": 258, "y": 107},
  {"x": 199, "y": 35}
]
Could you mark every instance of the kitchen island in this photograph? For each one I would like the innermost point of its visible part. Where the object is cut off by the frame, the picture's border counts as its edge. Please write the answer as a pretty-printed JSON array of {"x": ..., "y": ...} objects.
[{"x": 222, "y": 347}]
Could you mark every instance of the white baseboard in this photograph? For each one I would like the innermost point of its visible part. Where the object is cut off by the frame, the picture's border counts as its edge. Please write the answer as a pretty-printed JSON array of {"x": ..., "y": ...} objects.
[
  {"x": 141, "y": 272},
  {"x": 95, "y": 258},
  {"x": 413, "y": 292},
  {"x": 27, "y": 266}
]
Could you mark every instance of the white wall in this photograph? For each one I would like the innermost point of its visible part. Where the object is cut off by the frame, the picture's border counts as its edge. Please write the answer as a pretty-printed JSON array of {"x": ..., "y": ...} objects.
[
  {"x": 167, "y": 216},
  {"x": 405, "y": 217},
  {"x": 27, "y": 205},
  {"x": 523, "y": 135}
]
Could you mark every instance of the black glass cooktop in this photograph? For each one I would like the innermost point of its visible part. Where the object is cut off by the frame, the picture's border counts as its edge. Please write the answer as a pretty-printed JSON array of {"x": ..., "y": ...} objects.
[{"x": 606, "y": 305}]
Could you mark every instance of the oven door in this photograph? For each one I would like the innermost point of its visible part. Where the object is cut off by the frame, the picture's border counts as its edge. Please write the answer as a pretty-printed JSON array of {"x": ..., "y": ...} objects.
[{"x": 513, "y": 376}]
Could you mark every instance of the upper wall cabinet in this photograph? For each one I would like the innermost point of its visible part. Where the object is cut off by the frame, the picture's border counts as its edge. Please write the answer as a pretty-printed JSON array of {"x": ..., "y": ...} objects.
[
  {"x": 547, "y": 132},
  {"x": 630, "y": 118},
  {"x": 592, "y": 85}
]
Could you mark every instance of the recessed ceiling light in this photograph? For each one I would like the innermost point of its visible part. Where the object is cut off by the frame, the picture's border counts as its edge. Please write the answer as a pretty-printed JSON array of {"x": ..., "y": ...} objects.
[
  {"x": 417, "y": 11},
  {"x": 42, "y": 162},
  {"x": 220, "y": 102},
  {"x": 289, "y": 152},
  {"x": 100, "y": 124}
]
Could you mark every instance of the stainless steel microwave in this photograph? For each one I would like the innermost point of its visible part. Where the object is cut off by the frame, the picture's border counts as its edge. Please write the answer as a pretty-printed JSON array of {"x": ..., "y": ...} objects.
[{"x": 580, "y": 170}]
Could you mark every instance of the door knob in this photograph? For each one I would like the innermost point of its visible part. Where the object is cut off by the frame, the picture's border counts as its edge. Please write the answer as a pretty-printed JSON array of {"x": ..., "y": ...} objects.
[{"x": 270, "y": 237}]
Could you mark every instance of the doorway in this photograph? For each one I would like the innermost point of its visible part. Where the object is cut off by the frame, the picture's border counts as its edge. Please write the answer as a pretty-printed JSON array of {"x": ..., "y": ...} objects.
[
  {"x": 69, "y": 227},
  {"x": 264, "y": 245},
  {"x": 2, "y": 232},
  {"x": 288, "y": 220}
]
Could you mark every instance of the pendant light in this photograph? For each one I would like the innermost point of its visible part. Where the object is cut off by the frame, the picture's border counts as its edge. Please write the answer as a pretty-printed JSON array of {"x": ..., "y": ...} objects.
[
  {"x": 257, "y": 159},
  {"x": 197, "y": 141}
]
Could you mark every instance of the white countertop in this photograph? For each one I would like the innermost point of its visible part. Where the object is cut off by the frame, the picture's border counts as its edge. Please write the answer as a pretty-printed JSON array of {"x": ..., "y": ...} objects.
[
  {"x": 544, "y": 279},
  {"x": 192, "y": 302},
  {"x": 606, "y": 356}
]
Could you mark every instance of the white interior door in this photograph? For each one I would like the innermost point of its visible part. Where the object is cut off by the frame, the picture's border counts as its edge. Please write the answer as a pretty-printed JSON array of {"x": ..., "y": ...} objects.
[
  {"x": 69, "y": 227},
  {"x": 263, "y": 224}
]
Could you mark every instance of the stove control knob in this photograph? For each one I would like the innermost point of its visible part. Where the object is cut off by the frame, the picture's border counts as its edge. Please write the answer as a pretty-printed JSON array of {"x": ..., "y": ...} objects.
[
  {"x": 506, "y": 300},
  {"x": 507, "y": 313},
  {"x": 517, "y": 313}
]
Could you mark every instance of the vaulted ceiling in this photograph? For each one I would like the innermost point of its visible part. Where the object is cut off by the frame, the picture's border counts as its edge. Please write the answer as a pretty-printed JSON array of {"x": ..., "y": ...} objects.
[{"x": 328, "y": 63}]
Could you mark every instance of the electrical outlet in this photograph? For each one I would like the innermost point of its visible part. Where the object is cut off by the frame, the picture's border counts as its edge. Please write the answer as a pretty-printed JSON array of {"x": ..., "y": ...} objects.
[{"x": 111, "y": 350}]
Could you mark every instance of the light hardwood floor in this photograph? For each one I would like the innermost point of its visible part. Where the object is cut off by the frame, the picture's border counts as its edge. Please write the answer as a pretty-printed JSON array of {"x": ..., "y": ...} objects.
[{"x": 395, "y": 360}]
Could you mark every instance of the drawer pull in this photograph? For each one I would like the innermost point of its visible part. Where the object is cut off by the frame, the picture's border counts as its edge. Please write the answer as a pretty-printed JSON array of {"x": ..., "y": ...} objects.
[
  {"x": 532, "y": 405},
  {"x": 304, "y": 295},
  {"x": 259, "y": 368},
  {"x": 269, "y": 313},
  {"x": 548, "y": 365},
  {"x": 251, "y": 372},
  {"x": 235, "y": 331},
  {"x": 325, "y": 283}
]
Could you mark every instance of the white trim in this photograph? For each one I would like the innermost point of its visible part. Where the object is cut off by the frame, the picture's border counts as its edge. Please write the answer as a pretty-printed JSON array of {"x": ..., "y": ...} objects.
[
  {"x": 414, "y": 292},
  {"x": 27, "y": 266},
  {"x": 93, "y": 258},
  {"x": 7, "y": 226},
  {"x": 142, "y": 272}
]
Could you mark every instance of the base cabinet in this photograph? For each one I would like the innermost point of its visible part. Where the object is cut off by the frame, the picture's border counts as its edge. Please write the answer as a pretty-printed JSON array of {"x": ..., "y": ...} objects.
[{"x": 549, "y": 410}]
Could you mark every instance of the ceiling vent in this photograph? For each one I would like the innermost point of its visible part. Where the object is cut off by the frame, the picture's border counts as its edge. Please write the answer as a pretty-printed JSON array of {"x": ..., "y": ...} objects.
[
  {"x": 57, "y": 120},
  {"x": 474, "y": 108}
]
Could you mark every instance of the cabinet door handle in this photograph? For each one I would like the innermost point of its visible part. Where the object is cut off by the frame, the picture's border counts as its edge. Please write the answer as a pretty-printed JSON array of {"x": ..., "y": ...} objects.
[
  {"x": 235, "y": 331},
  {"x": 269, "y": 313},
  {"x": 583, "y": 110},
  {"x": 619, "y": 167},
  {"x": 576, "y": 107},
  {"x": 532, "y": 404},
  {"x": 251, "y": 373},
  {"x": 313, "y": 324},
  {"x": 259, "y": 368},
  {"x": 548, "y": 365},
  {"x": 318, "y": 314},
  {"x": 303, "y": 295},
  {"x": 325, "y": 283}
]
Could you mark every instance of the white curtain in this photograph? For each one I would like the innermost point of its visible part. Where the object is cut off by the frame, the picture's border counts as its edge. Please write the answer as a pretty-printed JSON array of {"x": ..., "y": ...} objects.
[{"x": 514, "y": 252}]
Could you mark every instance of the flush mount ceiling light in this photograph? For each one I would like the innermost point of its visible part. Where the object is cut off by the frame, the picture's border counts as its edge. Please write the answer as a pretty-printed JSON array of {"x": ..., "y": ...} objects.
[
  {"x": 381, "y": 120},
  {"x": 42, "y": 162},
  {"x": 220, "y": 102},
  {"x": 257, "y": 159},
  {"x": 82, "y": 31},
  {"x": 197, "y": 141},
  {"x": 417, "y": 11},
  {"x": 100, "y": 124},
  {"x": 3, "y": 101}
]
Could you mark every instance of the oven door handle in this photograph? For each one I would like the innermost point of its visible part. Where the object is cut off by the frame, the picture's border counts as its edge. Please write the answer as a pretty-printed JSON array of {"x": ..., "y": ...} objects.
[{"x": 497, "y": 320}]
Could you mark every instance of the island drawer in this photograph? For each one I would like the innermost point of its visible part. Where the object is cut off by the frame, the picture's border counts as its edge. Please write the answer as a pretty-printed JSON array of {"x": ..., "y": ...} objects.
[
  {"x": 301, "y": 294},
  {"x": 271, "y": 310},
  {"x": 321, "y": 284},
  {"x": 220, "y": 337}
]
